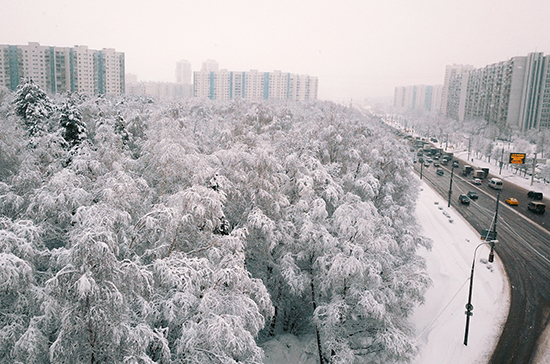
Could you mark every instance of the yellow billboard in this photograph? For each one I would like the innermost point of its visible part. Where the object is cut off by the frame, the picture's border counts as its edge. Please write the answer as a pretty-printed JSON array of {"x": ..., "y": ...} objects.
[{"x": 517, "y": 158}]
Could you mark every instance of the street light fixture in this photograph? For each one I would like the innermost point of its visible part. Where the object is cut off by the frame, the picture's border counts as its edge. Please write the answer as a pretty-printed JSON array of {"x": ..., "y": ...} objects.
[
  {"x": 469, "y": 306},
  {"x": 451, "y": 184}
]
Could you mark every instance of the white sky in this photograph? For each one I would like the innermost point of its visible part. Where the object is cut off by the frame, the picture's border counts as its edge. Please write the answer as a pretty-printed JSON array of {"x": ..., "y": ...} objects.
[{"x": 357, "y": 48}]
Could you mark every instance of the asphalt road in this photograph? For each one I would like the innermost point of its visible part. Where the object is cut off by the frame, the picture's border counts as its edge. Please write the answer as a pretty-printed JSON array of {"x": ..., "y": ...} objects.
[{"x": 524, "y": 248}]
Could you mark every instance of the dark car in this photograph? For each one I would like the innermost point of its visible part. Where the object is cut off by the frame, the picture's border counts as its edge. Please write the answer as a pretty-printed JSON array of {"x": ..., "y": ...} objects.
[
  {"x": 536, "y": 207},
  {"x": 439, "y": 172},
  {"x": 455, "y": 164},
  {"x": 472, "y": 195},
  {"x": 463, "y": 199},
  {"x": 535, "y": 195}
]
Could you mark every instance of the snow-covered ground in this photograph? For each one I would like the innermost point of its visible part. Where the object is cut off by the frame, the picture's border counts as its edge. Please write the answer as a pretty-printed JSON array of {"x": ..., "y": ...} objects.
[{"x": 440, "y": 322}]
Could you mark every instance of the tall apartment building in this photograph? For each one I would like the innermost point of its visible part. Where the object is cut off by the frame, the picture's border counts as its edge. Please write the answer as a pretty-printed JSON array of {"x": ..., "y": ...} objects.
[
  {"x": 513, "y": 93},
  {"x": 418, "y": 97},
  {"x": 451, "y": 74},
  {"x": 254, "y": 85},
  {"x": 184, "y": 74},
  {"x": 62, "y": 69}
]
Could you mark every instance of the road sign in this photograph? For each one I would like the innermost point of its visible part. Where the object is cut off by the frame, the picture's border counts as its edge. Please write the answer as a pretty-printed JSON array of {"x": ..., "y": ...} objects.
[{"x": 517, "y": 158}]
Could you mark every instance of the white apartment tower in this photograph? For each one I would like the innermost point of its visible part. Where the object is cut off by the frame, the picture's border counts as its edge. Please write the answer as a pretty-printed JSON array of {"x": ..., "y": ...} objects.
[
  {"x": 183, "y": 72},
  {"x": 63, "y": 69},
  {"x": 513, "y": 93}
]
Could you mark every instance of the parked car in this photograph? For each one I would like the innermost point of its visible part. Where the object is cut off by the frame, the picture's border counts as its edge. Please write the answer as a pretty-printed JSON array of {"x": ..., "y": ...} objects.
[
  {"x": 476, "y": 181},
  {"x": 535, "y": 195},
  {"x": 439, "y": 172},
  {"x": 455, "y": 164},
  {"x": 436, "y": 164},
  {"x": 512, "y": 201},
  {"x": 472, "y": 195},
  {"x": 463, "y": 199},
  {"x": 536, "y": 207}
]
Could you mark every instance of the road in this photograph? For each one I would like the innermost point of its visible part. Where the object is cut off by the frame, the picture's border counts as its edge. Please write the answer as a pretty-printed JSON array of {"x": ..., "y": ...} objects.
[{"x": 524, "y": 248}]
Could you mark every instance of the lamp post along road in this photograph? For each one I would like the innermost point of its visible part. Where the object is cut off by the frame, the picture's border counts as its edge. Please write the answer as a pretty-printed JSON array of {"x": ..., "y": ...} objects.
[
  {"x": 469, "y": 306},
  {"x": 451, "y": 185}
]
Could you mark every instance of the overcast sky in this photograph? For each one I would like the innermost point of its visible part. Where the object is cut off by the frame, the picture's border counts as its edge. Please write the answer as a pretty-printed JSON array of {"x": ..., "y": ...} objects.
[{"x": 357, "y": 48}]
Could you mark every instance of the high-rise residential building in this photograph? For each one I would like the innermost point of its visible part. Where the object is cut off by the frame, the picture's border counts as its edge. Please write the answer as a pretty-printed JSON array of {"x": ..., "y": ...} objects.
[
  {"x": 210, "y": 65},
  {"x": 418, "y": 97},
  {"x": 513, "y": 93},
  {"x": 254, "y": 85},
  {"x": 63, "y": 69},
  {"x": 451, "y": 72},
  {"x": 184, "y": 74}
]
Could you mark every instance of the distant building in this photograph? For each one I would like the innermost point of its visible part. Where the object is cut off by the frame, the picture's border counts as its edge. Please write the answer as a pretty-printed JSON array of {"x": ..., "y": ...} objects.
[
  {"x": 513, "y": 93},
  {"x": 184, "y": 74},
  {"x": 63, "y": 69},
  {"x": 210, "y": 65},
  {"x": 418, "y": 97},
  {"x": 253, "y": 85}
]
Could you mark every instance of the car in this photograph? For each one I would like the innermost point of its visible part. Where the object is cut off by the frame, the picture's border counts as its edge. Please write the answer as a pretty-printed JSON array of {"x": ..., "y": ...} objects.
[
  {"x": 476, "y": 181},
  {"x": 436, "y": 164},
  {"x": 512, "y": 201},
  {"x": 472, "y": 195},
  {"x": 426, "y": 164},
  {"x": 421, "y": 160},
  {"x": 455, "y": 164},
  {"x": 464, "y": 199},
  {"x": 535, "y": 195},
  {"x": 536, "y": 207},
  {"x": 439, "y": 172}
]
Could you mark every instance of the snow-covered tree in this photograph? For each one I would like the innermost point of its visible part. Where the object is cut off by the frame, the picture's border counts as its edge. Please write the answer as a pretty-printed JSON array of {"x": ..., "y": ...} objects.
[
  {"x": 33, "y": 106},
  {"x": 70, "y": 120}
]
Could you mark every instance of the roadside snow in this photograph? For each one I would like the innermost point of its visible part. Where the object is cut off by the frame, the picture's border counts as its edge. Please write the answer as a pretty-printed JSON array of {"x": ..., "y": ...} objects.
[{"x": 440, "y": 322}]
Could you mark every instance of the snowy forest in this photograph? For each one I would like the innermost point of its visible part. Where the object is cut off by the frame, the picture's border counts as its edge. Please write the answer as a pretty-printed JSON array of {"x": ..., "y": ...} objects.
[{"x": 139, "y": 231}]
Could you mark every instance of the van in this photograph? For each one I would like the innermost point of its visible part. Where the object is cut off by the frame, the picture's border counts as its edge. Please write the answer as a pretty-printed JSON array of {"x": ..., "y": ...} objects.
[
  {"x": 495, "y": 183},
  {"x": 534, "y": 195},
  {"x": 536, "y": 207},
  {"x": 479, "y": 174}
]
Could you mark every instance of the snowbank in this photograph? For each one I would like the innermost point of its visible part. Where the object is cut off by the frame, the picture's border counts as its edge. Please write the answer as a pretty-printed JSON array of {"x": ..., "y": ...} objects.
[{"x": 440, "y": 322}]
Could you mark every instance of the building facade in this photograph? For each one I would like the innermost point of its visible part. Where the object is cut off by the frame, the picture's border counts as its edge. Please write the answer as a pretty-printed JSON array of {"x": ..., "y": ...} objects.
[
  {"x": 254, "y": 85},
  {"x": 418, "y": 97},
  {"x": 184, "y": 74},
  {"x": 63, "y": 69},
  {"x": 513, "y": 93}
]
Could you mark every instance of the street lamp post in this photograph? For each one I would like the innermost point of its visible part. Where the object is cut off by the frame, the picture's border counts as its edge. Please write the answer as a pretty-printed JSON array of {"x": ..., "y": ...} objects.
[
  {"x": 469, "y": 306},
  {"x": 451, "y": 185}
]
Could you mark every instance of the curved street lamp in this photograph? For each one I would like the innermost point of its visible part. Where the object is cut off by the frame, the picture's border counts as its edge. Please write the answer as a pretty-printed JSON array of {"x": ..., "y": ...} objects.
[{"x": 469, "y": 306}]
